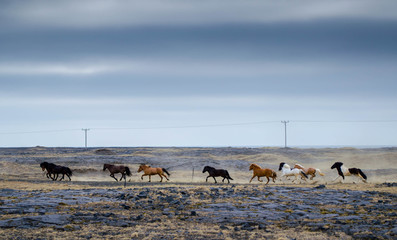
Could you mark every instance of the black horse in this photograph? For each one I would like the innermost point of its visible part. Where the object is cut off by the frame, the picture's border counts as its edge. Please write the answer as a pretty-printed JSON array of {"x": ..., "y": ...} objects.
[
  {"x": 217, "y": 173},
  {"x": 48, "y": 166},
  {"x": 56, "y": 170}
]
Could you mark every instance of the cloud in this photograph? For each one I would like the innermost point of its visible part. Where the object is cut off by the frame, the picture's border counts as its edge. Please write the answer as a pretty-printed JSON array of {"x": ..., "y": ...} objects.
[
  {"x": 120, "y": 13},
  {"x": 159, "y": 67}
]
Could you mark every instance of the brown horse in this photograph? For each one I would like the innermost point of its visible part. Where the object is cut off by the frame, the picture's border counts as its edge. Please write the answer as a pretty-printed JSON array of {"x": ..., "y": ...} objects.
[
  {"x": 309, "y": 171},
  {"x": 149, "y": 171},
  {"x": 262, "y": 172},
  {"x": 117, "y": 169}
]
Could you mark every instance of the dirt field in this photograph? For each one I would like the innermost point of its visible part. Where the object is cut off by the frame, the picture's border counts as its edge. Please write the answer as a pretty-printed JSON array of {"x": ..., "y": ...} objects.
[{"x": 94, "y": 206}]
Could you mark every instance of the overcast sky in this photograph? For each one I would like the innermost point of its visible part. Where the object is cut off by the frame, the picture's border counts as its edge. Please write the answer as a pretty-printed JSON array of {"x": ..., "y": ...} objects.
[{"x": 198, "y": 73}]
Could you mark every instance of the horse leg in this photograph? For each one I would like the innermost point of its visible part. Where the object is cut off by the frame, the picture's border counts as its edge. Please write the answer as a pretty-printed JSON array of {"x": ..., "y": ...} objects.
[
  {"x": 215, "y": 180},
  {"x": 268, "y": 179},
  {"x": 259, "y": 179},
  {"x": 206, "y": 180},
  {"x": 55, "y": 178},
  {"x": 313, "y": 175},
  {"x": 112, "y": 175},
  {"x": 165, "y": 176},
  {"x": 68, "y": 177},
  {"x": 150, "y": 178},
  {"x": 122, "y": 175},
  {"x": 161, "y": 180},
  {"x": 63, "y": 175},
  {"x": 252, "y": 178}
]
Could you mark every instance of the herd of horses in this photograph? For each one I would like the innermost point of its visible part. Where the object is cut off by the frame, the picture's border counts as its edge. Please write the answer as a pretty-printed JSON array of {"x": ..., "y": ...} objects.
[{"x": 298, "y": 172}]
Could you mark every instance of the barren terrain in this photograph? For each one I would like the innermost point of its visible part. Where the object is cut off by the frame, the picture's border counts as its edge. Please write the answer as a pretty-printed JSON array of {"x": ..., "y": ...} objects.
[{"x": 94, "y": 206}]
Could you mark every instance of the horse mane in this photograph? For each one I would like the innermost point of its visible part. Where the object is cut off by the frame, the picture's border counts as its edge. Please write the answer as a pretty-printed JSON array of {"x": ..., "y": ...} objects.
[
  {"x": 255, "y": 165},
  {"x": 281, "y": 166},
  {"x": 299, "y": 165},
  {"x": 209, "y": 167}
]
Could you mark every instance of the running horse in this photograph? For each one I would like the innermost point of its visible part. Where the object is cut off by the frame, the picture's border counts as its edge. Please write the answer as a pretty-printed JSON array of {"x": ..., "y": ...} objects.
[
  {"x": 309, "y": 171},
  {"x": 46, "y": 166},
  {"x": 117, "y": 169},
  {"x": 217, "y": 173},
  {"x": 344, "y": 171},
  {"x": 149, "y": 171},
  {"x": 287, "y": 171},
  {"x": 262, "y": 172},
  {"x": 56, "y": 170}
]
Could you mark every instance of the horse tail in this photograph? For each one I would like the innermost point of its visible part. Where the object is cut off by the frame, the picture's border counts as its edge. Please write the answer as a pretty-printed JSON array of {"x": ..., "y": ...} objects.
[
  {"x": 304, "y": 174},
  {"x": 127, "y": 171},
  {"x": 164, "y": 170},
  {"x": 319, "y": 172},
  {"x": 228, "y": 176},
  {"x": 362, "y": 174}
]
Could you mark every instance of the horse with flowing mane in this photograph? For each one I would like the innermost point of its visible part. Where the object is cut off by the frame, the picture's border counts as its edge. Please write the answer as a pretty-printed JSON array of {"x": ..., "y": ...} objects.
[
  {"x": 262, "y": 172},
  {"x": 117, "y": 169},
  {"x": 217, "y": 173},
  {"x": 344, "y": 171},
  {"x": 309, "y": 171},
  {"x": 149, "y": 171},
  {"x": 56, "y": 170},
  {"x": 287, "y": 171}
]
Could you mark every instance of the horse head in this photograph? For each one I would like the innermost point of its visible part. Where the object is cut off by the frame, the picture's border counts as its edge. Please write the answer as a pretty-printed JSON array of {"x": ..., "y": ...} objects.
[
  {"x": 43, "y": 165},
  {"x": 207, "y": 169},
  {"x": 281, "y": 166},
  {"x": 253, "y": 166},
  {"x": 337, "y": 165},
  {"x": 142, "y": 167},
  {"x": 105, "y": 166}
]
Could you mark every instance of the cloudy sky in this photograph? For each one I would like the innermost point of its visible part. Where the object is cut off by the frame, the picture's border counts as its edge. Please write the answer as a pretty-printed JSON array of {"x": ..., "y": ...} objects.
[{"x": 198, "y": 73}]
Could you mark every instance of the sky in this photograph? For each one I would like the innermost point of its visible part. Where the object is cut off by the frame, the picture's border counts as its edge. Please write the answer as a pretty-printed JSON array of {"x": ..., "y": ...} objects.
[{"x": 198, "y": 73}]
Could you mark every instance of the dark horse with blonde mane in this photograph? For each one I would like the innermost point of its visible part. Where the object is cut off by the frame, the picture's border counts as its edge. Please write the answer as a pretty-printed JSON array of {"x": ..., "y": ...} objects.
[
  {"x": 217, "y": 173},
  {"x": 117, "y": 169},
  {"x": 149, "y": 171},
  {"x": 56, "y": 170}
]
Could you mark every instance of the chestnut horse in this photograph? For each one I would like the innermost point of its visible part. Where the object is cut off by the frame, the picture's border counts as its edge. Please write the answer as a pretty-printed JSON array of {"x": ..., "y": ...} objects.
[
  {"x": 262, "y": 172},
  {"x": 149, "y": 171},
  {"x": 309, "y": 171},
  {"x": 117, "y": 169}
]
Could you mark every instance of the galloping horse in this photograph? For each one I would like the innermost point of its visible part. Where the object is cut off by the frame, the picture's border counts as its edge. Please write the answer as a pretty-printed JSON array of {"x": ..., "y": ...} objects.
[
  {"x": 48, "y": 166},
  {"x": 217, "y": 173},
  {"x": 344, "y": 171},
  {"x": 56, "y": 169},
  {"x": 262, "y": 172},
  {"x": 309, "y": 171},
  {"x": 287, "y": 171},
  {"x": 117, "y": 169},
  {"x": 149, "y": 171}
]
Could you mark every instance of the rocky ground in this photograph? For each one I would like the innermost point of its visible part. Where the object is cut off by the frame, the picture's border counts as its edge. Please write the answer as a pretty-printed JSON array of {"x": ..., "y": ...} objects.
[
  {"x": 197, "y": 211},
  {"x": 94, "y": 206}
]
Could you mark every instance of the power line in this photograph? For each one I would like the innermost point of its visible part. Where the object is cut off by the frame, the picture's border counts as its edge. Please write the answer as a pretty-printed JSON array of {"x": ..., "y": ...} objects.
[
  {"x": 206, "y": 125},
  {"x": 41, "y": 131}
]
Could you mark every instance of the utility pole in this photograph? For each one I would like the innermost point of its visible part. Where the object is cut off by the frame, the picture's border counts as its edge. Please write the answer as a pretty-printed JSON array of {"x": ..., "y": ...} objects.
[
  {"x": 285, "y": 132},
  {"x": 85, "y": 130}
]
